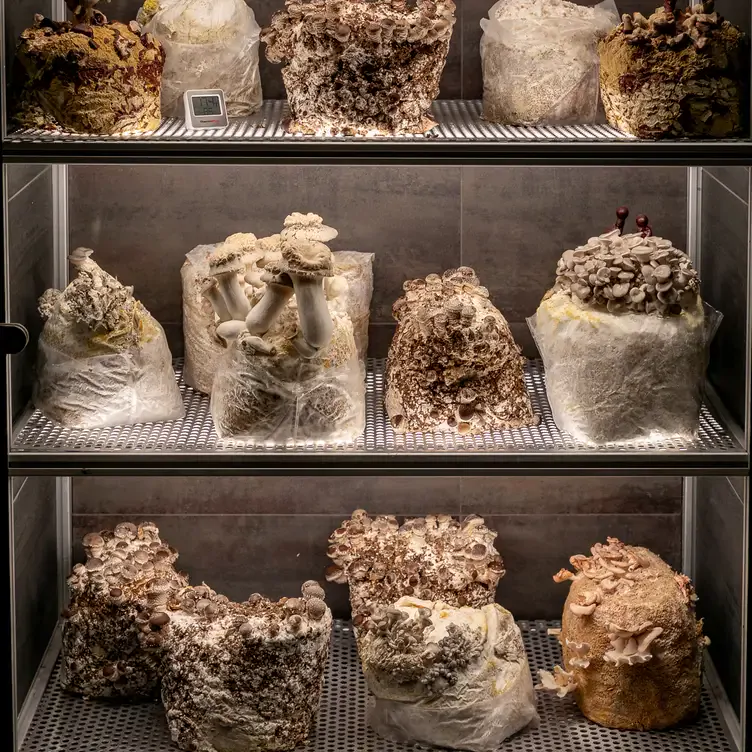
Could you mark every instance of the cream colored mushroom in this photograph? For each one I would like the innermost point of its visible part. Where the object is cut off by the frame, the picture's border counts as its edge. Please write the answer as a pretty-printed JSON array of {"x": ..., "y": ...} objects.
[
  {"x": 308, "y": 263},
  {"x": 581, "y": 652},
  {"x": 276, "y": 296},
  {"x": 631, "y": 646},
  {"x": 225, "y": 264},
  {"x": 210, "y": 290},
  {"x": 579, "y": 610},
  {"x": 560, "y": 681},
  {"x": 231, "y": 330},
  {"x": 307, "y": 227}
]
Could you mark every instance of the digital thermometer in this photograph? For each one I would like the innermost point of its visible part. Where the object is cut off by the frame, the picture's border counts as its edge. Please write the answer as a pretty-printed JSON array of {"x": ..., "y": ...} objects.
[{"x": 205, "y": 108}]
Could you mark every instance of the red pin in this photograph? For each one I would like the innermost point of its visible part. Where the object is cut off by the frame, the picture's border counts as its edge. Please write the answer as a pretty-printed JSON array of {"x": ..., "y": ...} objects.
[
  {"x": 621, "y": 217},
  {"x": 643, "y": 224}
]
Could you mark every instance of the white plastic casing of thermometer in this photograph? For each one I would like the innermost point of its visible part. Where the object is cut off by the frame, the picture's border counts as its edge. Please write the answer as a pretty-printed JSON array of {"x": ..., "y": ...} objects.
[{"x": 205, "y": 108}]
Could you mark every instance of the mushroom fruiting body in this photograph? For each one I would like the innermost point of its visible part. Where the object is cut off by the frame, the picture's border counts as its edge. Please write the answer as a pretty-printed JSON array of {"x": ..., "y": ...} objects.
[
  {"x": 231, "y": 330},
  {"x": 210, "y": 290},
  {"x": 631, "y": 643},
  {"x": 308, "y": 263},
  {"x": 257, "y": 663},
  {"x": 451, "y": 677},
  {"x": 276, "y": 296},
  {"x": 307, "y": 227},
  {"x": 225, "y": 265}
]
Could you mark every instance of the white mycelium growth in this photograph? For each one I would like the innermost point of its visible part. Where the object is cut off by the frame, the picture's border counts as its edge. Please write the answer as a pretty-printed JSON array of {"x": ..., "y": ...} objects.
[{"x": 115, "y": 623}]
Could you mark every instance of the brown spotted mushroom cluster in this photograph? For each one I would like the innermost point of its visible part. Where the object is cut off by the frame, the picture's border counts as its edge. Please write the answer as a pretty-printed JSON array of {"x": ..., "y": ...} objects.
[
  {"x": 453, "y": 364},
  {"x": 632, "y": 646},
  {"x": 637, "y": 273},
  {"x": 244, "y": 675},
  {"x": 88, "y": 75},
  {"x": 361, "y": 66},
  {"x": 678, "y": 73},
  {"x": 116, "y": 622},
  {"x": 434, "y": 558}
]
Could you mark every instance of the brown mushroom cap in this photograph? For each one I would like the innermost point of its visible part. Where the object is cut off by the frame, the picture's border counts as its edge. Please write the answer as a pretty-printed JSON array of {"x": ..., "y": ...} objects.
[{"x": 306, "y": 258}]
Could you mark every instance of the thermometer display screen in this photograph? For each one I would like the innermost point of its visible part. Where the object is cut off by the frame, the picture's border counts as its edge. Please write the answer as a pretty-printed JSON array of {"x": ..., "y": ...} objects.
[{"x": 206, "y": 105}]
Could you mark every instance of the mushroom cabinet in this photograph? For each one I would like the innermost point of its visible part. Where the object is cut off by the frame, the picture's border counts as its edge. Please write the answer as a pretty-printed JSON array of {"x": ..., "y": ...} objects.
[{"x": 377, "y": 374}]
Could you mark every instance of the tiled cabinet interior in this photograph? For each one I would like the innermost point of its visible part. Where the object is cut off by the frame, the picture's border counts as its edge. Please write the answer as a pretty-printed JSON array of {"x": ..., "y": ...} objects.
[
  {"x": 267, "y": 534},
  {"x": 511, "y": 224}
]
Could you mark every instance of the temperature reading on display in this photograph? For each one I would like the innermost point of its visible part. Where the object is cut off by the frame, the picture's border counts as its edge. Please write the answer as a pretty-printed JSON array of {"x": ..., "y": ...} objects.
[
  {"x": 206, "y": 105},
  {"x": 205, "y": 109}
]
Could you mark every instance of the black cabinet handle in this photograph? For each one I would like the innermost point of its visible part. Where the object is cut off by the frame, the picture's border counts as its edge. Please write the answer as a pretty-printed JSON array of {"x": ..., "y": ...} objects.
[{"x": 13, "y": 338}]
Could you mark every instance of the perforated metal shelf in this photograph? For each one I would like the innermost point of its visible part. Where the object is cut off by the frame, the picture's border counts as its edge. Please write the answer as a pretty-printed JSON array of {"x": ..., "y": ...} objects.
[
  {"x": 190, "y": 446},
  {"x": 64, "y": 723},
  {"x": 461, "y": 134}
]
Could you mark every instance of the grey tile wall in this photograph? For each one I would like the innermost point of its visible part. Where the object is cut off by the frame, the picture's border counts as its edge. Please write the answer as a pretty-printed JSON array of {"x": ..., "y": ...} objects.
[
  {"x": 510, "y": 223},
  {"x": 724, "y": 267},
  {"x": 407, "y": 216},
  {"x": 36, "y": 576},
  {"x": 719, "y": 578},
  {"x": 269, "y": 534},
  {"x": 30, "y": 266},
  {"x": 517, "y": 221}
]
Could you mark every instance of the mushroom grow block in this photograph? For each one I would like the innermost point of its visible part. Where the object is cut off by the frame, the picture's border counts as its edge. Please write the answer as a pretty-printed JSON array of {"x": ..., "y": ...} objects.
[
  {"x": 115, "y": 623},
  {"x": 632, "y": 645},
  {"x": 453, "y": 364},
  {"x": 353, "y": 67},
  {"x": 245, "y": 676},
  {"x": 97, "y": 78},
  {"x": 291, "y": 372},
  {"x": 435, "y": 558},
  {"x": 103, "y": 359},
  {"x": 624, "y": 338},
  {"x": 676, "y": 74},
  {"x": 449, "y": 677},
  {"x": 204, "y": 348}
]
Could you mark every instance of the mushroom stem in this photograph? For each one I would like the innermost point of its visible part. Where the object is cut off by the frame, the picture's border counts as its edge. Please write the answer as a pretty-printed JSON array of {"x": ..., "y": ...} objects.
[
  {"x": 254, "y": 278},
  {"x": 213, "y": 295},
  {"x": 304, "y": 349},
  {"x": 261, "y": 317},
  {"x": 316, "y": 323},
  {"x": 231, "y": 330},
  {"x": 234, "y": 297}
]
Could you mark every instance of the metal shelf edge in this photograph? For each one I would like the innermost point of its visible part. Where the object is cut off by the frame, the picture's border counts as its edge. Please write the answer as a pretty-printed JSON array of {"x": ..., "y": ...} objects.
[
  {"x": 359, "y": 464},
  {"x": 387, "y": 152}
]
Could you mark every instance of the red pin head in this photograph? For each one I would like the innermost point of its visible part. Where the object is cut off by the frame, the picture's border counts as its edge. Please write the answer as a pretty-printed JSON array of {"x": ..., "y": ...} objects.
[
  {"x": 643, "y": 224},
  {"x": 621, "y": 217}
]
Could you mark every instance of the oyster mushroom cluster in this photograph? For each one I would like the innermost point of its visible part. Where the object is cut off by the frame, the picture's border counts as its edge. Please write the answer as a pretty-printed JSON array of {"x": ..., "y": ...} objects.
[
  {"x": 88, "y": 75},
  {"x": 231, "y": 674},
  {"x": 116, "y": 621},
  {"x": 631, "y": 643},
  {"x": 355, "y": 67},
  {"x": 245, "y": 675},
  {"x": 434, "y": 558},
  {"x": 453, "y": 677},
  {"x": 292, "y": 369},
  {"x": 637, "y": 273},
  {"x": 103, "y": 359},
  {"x": 624, "y": 315},
  {"x": 678, "y": 73},
  {"x": 453, "y": 364}
]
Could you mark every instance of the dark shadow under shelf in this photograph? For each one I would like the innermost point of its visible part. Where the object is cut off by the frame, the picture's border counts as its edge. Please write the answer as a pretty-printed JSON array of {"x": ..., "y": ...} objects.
[
  {"x": 461, "y": 136},
  {"x": 64, "y": 723},
  {"x": 190, "y": 446}
]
